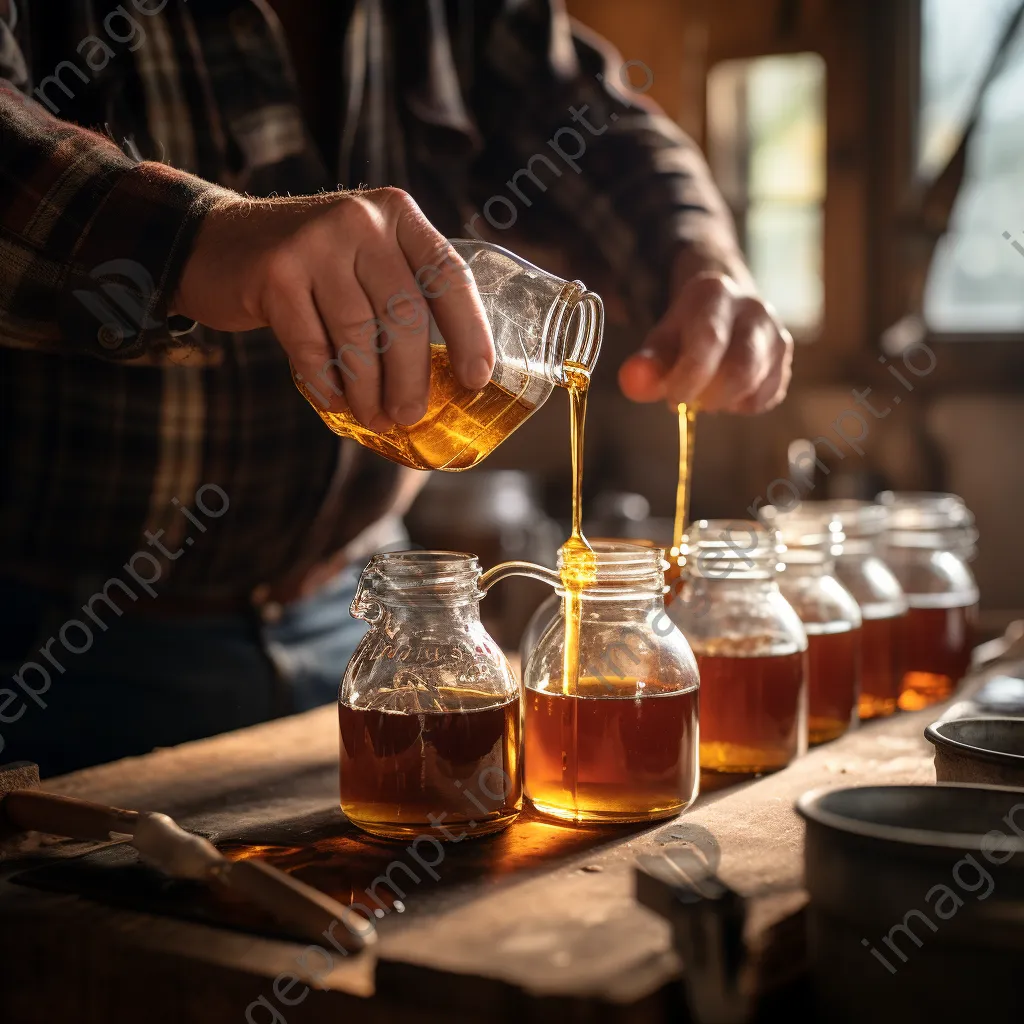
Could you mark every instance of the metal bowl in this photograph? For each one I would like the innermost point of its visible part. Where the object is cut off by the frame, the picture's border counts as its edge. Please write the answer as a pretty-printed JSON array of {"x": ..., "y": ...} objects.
[
  {"x": 916, "y": 903},
  {"x": 984, "y": 751}
]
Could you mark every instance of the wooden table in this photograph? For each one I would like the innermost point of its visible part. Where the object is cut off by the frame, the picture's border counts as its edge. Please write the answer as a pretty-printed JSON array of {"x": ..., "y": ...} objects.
[{"x": 538, "y": 923}]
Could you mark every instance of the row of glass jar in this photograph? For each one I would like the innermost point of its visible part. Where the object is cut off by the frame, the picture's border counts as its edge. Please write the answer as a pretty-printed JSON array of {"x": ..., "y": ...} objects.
[
  {"x": 792, "y": 640},
  {"x": 885, "y": 600}
]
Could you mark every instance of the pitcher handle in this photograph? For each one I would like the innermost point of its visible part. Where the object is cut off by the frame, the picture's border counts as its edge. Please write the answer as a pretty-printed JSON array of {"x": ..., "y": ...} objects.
[{"x": 506, "y": 569}]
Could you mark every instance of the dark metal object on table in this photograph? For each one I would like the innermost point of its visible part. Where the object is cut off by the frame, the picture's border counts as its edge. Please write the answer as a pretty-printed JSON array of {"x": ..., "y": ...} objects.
[
  {"x": 897, "y": 927},
  {"x": 306, "y": 912},
  {"x": 983, "y": 751},
  {"x": 707, "y": 919}
]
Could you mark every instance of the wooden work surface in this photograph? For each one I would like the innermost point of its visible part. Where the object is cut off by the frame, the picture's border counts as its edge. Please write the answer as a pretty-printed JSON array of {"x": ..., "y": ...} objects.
[{"x": 528, "y": 922}]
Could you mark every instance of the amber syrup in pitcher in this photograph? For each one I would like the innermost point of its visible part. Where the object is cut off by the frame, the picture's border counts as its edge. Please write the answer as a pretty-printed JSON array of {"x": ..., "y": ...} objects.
[
  {"x": 402, "y": 769},
  {"x": 937, "y": 645},
  {"x": 461, "y": 427},
  {"x": 753, "y": 707},
  {"x": 832, "y": 682}
]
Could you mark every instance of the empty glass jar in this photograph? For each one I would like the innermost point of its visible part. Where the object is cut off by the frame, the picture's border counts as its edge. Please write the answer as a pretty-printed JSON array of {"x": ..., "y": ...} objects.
[
  {"x": 429, "y": 707},
  {"x": 750, "y": 645},
  {"x": 621, "y": 744},
  {"x": 929, "y": 540},
  {"x": 541, "y": 326},
  {"x": 830, "y": 615}
]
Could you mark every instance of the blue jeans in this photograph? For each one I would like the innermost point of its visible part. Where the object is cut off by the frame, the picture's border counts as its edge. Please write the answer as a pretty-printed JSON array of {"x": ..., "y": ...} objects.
[{"x": 148, "y": 682}]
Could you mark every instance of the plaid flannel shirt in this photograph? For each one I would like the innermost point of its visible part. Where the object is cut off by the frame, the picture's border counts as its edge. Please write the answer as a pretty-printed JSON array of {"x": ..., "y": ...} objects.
[{"x": 110, "y": 422}]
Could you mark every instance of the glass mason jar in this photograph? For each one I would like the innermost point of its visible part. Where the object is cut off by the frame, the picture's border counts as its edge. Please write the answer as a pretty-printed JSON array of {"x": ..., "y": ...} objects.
[
  {"x": 620, "y": 746},
  {"x": 541, "y": 325},
  {"x": 929, "y": 540},
  {"x": 429, "y": 707},
  {"x": 883, "y": 605},
  {"x": 830, "y": 614},
  {"x": 750, "y": 645}
]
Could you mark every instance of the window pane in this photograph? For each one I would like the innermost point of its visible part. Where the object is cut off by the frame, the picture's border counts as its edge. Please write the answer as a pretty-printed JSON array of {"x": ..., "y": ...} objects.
[
  {"x": 766, "y": 145},
  {"x": 975, "y": 281}
]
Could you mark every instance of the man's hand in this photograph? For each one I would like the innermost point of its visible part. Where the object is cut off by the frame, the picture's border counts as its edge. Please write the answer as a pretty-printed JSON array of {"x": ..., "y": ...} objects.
[
  {"x": 718, "y": 346},
  {"x": 347, "y": 282}
]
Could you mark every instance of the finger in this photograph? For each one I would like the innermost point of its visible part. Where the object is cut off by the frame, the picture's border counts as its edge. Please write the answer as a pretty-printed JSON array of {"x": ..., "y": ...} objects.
[
  {"x": 448, "y": 285},
  {"x": 294, "y": 318},
  {"x": 682, "y": 353},
  {"x": 774, "y": 387},
  {"x": 400, "y": 334},
  {"x": 747, "y": 362},
  {"x": 348, "y": 316}
]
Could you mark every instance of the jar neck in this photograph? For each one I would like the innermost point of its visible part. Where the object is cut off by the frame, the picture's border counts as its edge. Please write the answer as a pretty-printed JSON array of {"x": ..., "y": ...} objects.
[
  {"x": 572, "y": 332},
  {"x": 632, "y": 607},
  {"x": 613, "y": 571},
  {"x": 720, "y": 549},
  {"x": 421, "y": 583},
  {"x": 824, "y": 566},
  {"x": 735, "y": 584}
]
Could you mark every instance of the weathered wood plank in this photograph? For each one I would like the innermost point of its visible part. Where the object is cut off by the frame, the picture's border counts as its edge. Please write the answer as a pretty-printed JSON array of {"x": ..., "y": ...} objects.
[{"x": 535, "y": 921}]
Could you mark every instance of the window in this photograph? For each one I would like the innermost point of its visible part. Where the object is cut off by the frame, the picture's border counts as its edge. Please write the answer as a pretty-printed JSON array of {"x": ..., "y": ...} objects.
[
  {"x": 976, "y": 284},
  {"x": 766, "y": 147}
]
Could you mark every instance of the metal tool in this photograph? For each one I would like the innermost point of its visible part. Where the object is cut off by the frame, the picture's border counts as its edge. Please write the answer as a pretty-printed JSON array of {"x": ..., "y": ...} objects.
[
  {"x": 304, "y": 911},
  {"x": 707, "y": 919}
]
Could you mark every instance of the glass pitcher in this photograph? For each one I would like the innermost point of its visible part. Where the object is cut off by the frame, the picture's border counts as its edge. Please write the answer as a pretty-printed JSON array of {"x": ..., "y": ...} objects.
[
  {"x": 428, "y": 707},
  {"x": 541, "y": 326}
]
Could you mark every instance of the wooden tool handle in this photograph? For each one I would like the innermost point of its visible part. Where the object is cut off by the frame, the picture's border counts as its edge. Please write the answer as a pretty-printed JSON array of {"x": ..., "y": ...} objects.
[
  {"x": 34, "y": 810},
  {"x": 305, "y": 911}
]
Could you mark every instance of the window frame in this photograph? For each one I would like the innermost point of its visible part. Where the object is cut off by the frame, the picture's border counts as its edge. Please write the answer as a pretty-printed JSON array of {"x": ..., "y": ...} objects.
[
  {"x": 965, "y": 360},
  {"x": 872, "y": 53}
]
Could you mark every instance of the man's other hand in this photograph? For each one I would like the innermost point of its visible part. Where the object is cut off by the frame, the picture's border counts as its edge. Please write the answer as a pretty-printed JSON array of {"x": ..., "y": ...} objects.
[
  {"x": 347, "y": 281},
  {"x": 717, "y": 346}
]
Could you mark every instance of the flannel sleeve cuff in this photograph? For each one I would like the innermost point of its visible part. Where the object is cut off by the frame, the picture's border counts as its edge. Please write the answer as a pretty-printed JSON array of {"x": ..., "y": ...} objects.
[{"x": 128, "y": 262}]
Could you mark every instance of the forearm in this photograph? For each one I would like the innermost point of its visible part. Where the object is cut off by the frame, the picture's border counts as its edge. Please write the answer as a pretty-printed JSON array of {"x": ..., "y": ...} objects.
[{"x": 93, "y": 242}]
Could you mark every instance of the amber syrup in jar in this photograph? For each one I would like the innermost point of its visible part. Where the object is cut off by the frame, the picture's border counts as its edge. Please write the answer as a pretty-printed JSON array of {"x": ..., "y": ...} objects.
[
  {"x": 881, "y": 672},
  {"x": 936, "y": 646},
  {"x": 929, "y": 541},
  {"x": 750, "y": 644},
  {"x": 753, "y": 708},
  {"x": 412, "y": 774},
  {"x": 810, "y": 544},
  {"x": 605, "y": 758}
]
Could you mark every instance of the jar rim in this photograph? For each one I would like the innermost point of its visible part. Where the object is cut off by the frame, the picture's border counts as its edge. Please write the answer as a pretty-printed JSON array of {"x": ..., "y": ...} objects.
[
  {"x": 622, "y": 566},
  {"x": 805, "y": 535},
  {"x": 404, "y": 575},
  {"x": 926, "y": 511},
  {"x": 858, "y": 518},
  {"x": 730, "y": 549}
]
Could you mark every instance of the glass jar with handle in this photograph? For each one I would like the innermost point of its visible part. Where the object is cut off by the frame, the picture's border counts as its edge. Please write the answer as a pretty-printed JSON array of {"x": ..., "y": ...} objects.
[
  {"x": 544, "y": 329},
  {"x": 429, "y": 706}
]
